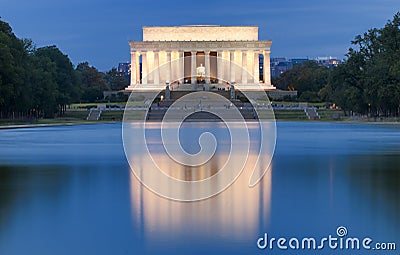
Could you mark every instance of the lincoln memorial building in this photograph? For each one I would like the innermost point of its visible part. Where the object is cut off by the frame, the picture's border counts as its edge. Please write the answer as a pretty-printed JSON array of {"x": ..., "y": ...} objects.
[{"x": 198, "y": 57}]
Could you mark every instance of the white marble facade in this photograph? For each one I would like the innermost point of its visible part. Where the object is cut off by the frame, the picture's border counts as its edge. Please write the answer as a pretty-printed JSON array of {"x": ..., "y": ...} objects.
[{"x": 173, "y": 55}]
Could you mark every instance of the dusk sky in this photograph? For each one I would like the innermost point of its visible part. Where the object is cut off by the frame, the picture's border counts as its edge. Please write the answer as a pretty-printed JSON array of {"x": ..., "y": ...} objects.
[{"x": 98, "y": 31}]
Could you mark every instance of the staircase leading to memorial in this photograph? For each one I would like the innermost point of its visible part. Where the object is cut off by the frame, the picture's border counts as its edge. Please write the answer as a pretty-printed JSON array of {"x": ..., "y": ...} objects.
[
  {"x": 157, "y": 112},
  {"x": 158, "y": 115},
  {"x": 94, "y": 114},
  {"x": 311, "y": 113},
  {"x": 199, "y": 109}
]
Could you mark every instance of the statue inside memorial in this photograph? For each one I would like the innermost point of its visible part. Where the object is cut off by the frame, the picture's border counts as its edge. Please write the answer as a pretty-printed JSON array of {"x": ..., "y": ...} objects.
[{"x": 201, "y": 73}]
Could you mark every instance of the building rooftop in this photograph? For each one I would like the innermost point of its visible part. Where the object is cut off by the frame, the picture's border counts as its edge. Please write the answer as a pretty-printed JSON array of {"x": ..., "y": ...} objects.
[{"x": 200, "y": 33}]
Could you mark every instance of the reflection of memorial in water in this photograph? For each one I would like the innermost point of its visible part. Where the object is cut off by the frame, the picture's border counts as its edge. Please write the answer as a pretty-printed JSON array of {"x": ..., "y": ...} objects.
[{"x": 238, "y": 212}]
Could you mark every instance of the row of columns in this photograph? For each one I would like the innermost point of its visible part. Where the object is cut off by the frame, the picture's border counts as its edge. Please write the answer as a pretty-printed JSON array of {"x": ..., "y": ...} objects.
[{"x": 173, "y": 68}]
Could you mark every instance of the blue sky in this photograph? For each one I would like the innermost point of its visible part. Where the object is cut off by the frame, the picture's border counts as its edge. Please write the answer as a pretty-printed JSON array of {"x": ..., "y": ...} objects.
[{"x": 98, "y": 31}]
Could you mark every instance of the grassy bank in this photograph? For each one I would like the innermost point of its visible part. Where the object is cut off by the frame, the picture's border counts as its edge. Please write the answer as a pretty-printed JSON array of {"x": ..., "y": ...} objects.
[{"x": 78, "y": 116}]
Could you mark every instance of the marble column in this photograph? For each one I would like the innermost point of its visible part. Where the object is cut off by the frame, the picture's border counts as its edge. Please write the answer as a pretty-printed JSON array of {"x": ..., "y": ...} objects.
[
  {"x": 266, "y": 67},
  {"x": 226, "y": 66},
  {"x": 144, "y": 68},
  {"x": 138, "y": 67},
  {"x": 219, "y": 67},
  {"x": 156, "y": 68},
  {"x": 168, "y": 74},
  {"x": 207, "y": 64},
  {"x": 232, "y": 66},
  {"x": 193, "y": 69},
  {"x": 134, "y": 67},
  {"x": 256, "y": 68},
  {"x": 174, "y": 66},
  {"x": 181, "y": 70},
  {"x": 244, "y": 67}
]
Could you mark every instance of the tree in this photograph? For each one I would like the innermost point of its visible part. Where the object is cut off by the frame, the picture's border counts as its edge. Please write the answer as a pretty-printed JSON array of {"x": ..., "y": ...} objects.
[
  {"x": 346, "y": 85},
  {"x": 115, "y": 81},
  {"x": 13, "y": 73},
  {"x": 41, "y": 82},
  {"x": 45, "y": 87},
  {"x": 91, "y": 81},
  {"x": 369, "y": 81},
  {"x": 57, "y": 67},
  {"x": 308, "y": 79}
]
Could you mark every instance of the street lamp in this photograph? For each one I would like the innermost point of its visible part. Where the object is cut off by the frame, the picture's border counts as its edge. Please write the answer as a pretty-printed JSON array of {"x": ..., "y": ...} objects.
[{"x": 369, "y": 110}]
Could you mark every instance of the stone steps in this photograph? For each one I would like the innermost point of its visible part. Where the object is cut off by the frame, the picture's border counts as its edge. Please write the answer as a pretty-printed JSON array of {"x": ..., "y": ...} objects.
[
  {"x": 229, "y": 114},
  {"x": 94, "y": 114},
  {"x": 311, "y": 113}
]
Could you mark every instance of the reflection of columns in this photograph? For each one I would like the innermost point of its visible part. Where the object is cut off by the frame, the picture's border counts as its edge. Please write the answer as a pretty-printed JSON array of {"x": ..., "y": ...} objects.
[
  {"x": 194, "y": 66},
  {"x": 169, "y": 67},
  {"x": 134, "y": 67},
  {"x": 232, "y": 66},
  {"x": 266, "y": 67},
  {"x": 181, "y": 69},
  {"x": 256, "y": 68},
  {"x": 145, "y": 69},
  {"x": 156, "y": 68},
  {"x": 219, "y": 67},
  {"x": 207, "y": 64},
  {"x": 244, "y": 67}
]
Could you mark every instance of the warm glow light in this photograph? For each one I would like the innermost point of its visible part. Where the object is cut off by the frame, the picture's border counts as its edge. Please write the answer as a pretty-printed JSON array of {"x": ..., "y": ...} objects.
[{"x": 235, "y": 212}]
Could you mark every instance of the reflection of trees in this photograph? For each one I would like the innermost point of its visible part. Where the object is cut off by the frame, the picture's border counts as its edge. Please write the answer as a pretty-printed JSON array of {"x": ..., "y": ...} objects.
[
  {"x": 6, "y": 195},
  {"x": 379, "y": 176},
  {"x": 20, "y": 185}
]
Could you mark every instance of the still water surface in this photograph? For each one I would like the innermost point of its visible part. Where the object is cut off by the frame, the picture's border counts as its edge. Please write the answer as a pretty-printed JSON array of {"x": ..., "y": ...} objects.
[{"x": 69, "y": 190}]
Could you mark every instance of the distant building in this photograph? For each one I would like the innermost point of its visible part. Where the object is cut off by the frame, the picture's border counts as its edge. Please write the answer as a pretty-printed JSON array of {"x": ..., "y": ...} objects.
[
  {"x": 279, "y": 66},
  {"x": 328, "y": 61},
  {"x": 124, "y": 69},
  {"x": 298, "y": 61},
  {"x": 278, "y": 60}
]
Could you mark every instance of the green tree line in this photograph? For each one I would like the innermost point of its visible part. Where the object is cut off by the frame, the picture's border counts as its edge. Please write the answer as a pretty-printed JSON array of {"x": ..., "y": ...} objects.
[
  {"x": 368, "y": 82},
  {"x": 41, "y": 82}
]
